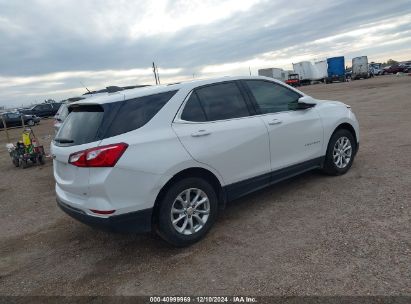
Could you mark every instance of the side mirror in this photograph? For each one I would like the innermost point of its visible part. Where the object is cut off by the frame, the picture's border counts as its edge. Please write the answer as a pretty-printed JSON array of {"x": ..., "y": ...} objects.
[{"x": 305, "y": 102}]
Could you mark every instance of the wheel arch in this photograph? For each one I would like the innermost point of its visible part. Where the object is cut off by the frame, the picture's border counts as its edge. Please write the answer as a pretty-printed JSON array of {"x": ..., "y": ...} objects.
[
  {"x": 191, "y": 172},
  {"x": 349, "y": 127}
]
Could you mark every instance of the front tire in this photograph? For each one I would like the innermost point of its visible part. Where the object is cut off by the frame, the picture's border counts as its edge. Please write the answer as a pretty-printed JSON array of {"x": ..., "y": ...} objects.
[
  {"x": 187, "y": 211},
  {"x": 340, "y": 153},
  {"x": 31, "y": 123}
]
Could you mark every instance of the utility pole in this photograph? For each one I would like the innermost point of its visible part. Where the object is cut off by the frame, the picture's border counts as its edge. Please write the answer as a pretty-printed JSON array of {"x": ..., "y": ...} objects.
[
  {"x": 155, "y": 73},
  {"x": 249, "y": 69}
]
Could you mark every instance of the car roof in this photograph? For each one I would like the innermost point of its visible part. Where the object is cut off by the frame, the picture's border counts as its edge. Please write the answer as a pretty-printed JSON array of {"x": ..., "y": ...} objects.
[{"x": 151, "y": 90}]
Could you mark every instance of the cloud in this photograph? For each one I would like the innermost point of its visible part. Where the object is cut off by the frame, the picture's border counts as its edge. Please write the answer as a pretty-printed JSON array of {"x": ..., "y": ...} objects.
[{"x": 48, "y": 47}]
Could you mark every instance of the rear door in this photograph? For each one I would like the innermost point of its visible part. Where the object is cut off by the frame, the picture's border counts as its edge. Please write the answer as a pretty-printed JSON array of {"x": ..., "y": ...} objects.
[
  {"x": 296, "y": 136},
  {"x": 216, "y": 128},
  {"x": 80, "y": 131}
]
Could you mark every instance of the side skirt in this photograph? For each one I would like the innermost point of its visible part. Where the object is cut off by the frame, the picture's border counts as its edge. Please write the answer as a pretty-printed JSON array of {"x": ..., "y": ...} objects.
[{"x": 239, "y": 189}]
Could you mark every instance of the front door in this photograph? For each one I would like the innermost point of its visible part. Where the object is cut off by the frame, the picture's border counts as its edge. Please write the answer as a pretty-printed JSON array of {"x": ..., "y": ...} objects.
[{"x": 296, "y": 136}]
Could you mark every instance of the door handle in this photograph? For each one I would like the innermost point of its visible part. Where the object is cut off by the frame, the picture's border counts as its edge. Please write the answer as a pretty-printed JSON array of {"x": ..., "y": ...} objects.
[
  {"x": 275, "y": 121},
  {"x": 200, "y": 133}
]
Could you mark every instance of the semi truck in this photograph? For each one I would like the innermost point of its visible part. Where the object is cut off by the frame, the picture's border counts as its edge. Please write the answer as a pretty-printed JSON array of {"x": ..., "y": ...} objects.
[
  {"x": 320, "y": 68},
  {"x": 360, "y": 68},
  {"x": 306, "y": 72},
  {"x": 275, "y": 73},
  {"x": 335, "y": 69}
]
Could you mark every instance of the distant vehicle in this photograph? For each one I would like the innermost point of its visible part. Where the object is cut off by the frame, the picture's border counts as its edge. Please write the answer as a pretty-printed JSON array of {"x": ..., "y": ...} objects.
[
  {"x": 394, "y": 69},
  {"x": 336, "y": 69},
  {"x": 306, "y": 71},
  {"x": 320, "y": 68},
  {"x": 43, "y": 109},
  {"x": 375, "y": 68},
  {"x": 60, "y": 116},
  {"x": 275, "y": 73},
  {"x": 293, "y": 80},
  {"x": 13, "y": 119},
  {"x": 407, "y": 67},
  {"x": 360, "y": 68},
  {"x": 348, "y": 73}
]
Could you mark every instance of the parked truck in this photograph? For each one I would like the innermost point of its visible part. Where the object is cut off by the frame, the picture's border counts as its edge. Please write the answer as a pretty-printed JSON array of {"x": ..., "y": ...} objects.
[
  {"x": 375, "y": 68},
  {"x": 275, "y": 73},
  {"x": 306, "y": 72},
  {"x": 335, "y": 69},
  {"x": 320, "y": 68},
  {"x": 360, "y": 68}
]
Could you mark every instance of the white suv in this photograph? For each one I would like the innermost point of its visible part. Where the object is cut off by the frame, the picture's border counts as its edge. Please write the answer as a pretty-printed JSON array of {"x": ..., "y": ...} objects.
[{"x": 167, "y": 158}]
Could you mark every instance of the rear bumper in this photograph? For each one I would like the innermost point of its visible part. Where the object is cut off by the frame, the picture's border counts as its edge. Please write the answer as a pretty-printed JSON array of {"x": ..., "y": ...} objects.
[{"x": 139, "y": 221}]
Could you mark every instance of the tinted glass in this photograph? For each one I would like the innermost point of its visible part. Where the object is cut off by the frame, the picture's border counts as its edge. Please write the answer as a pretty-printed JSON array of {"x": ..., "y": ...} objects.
[
  {"x": 81, "y": 126},
  {"x": 222, "y": 101},
  {"x": 135, "y": 113},
  {"x": 272, "y": 97},
  {"x": 42, "y": 107},
  {"x": 13, "y": 115},
  {"x": 193, "y": 110}
]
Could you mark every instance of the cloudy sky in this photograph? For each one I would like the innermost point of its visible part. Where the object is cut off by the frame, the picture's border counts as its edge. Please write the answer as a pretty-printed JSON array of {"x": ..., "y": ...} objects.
[{"x": 49, "y": 47}]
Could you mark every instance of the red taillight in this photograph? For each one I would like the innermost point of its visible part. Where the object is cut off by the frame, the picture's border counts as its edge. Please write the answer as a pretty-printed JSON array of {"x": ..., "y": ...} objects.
[{"x": 103, "y": 156}]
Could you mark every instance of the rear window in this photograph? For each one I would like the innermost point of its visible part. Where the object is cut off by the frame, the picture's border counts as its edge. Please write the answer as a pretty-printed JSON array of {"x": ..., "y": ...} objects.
[
  {"x": 88, "y": 123},
  {"x": 81, "y": 126}
]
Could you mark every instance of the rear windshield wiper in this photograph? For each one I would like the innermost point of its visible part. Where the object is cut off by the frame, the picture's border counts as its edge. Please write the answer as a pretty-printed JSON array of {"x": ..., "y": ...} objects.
[{"x": 64, "y": 140}]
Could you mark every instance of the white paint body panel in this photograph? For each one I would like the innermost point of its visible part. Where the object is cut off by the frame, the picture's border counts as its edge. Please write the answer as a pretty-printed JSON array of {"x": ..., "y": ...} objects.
[
  {"x": 235, "y": 150},
  {"x": 297, "y": 137}
]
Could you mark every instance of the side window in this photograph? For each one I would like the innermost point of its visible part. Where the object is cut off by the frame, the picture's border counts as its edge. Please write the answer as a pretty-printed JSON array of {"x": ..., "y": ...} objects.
[
  {"x": 222, "y": 101},
  {"x": 42, "y": 107},
  {"x": 13, "y": 115},
  {"x": 136, "y": 112},
  {"x": 193, "y": 110},
  {"x": 272, "y": 97}
]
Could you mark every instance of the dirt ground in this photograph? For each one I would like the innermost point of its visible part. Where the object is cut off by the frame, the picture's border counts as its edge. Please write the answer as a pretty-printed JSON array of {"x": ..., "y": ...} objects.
[{"x": 311, "y": 235}]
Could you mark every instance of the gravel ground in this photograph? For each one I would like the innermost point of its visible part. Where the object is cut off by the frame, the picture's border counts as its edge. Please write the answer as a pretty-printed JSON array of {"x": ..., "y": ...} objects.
[{"x": 311, "y": 235}]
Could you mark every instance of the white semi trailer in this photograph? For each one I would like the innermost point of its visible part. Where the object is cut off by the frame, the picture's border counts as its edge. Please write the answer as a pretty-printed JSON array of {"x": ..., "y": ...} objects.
[
  {"x": 360, "y": 68},
  {"x": 275, "y": 73}
]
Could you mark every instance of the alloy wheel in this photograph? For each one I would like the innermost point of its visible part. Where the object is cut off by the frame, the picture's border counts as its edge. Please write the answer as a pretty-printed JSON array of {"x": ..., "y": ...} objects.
[
  {"x": 190, "y": 211},
  {"x": 342, "y": 152}
]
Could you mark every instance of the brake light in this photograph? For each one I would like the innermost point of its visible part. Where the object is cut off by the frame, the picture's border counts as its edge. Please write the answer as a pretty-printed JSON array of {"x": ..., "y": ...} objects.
[{"x": 103, "y": 156}]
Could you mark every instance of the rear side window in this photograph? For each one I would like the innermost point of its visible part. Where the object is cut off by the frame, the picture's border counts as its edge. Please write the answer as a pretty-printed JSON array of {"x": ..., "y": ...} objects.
[
  {"x": 135, "y": 113},
  {"x": 81, "y": 126},
  {"x": 193, "y": 111},
  {"x": 222, "y": 101}
]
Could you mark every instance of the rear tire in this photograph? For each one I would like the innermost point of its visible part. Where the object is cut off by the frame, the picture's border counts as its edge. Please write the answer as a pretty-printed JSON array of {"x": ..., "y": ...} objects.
[
  {"x": 340, "y": 153},
  {"x": 31, "y": 123},
  {"x": 180, "y": 223}
]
